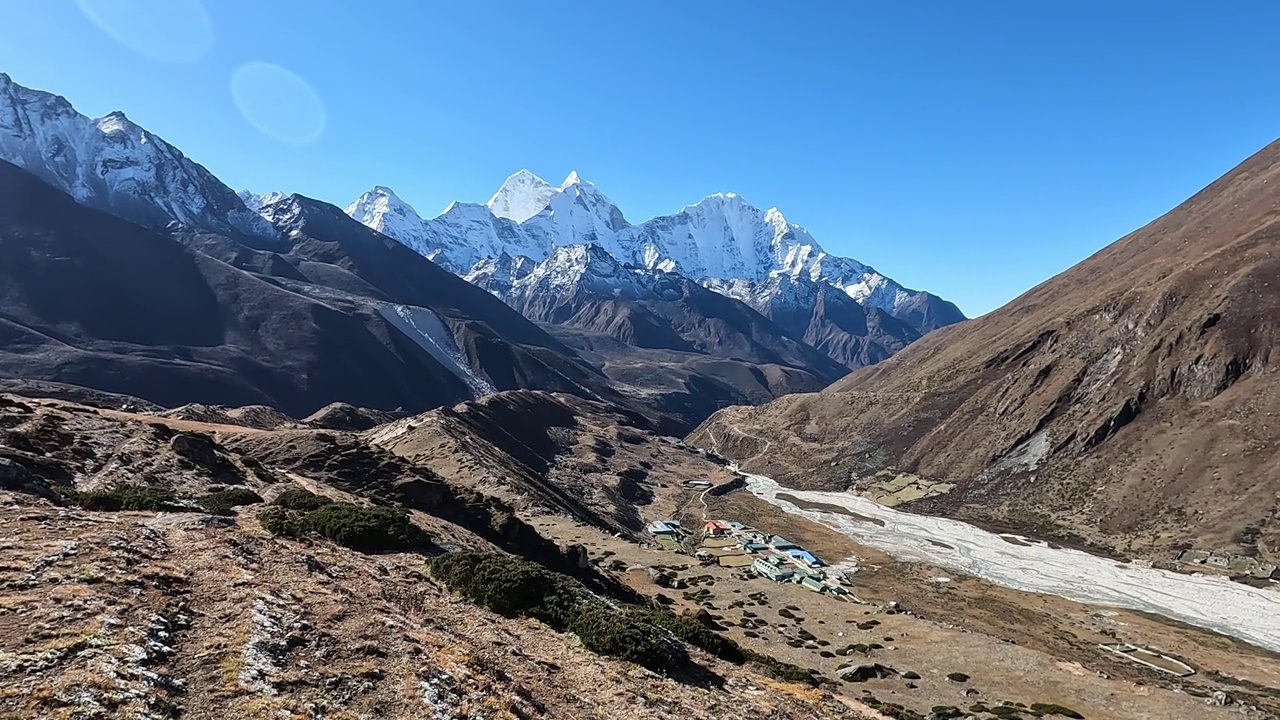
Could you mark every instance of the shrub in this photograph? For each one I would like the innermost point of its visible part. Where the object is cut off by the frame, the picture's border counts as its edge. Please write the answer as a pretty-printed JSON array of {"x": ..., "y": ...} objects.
[
  {"x": 650, "y": 637},
  {"x": 1047, "y": 709},
  {"x": 606, "y": 631},
  {"x": 299, "y": 499},
  {"x": 359, "y": 527},
  {"x": 365, "y": 528},
  {"x": 127, "y": 497},
  {"x": 694, "y": 633},
  {"x": 279, "y": 521},
  {"x": 511, "y": 587},
  {"x": 224, "y": 502},
  {"x": 785, "y": 671}
]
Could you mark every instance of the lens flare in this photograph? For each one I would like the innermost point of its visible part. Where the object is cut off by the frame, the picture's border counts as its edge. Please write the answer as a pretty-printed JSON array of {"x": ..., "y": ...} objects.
[{"x": 278, "y": 103}]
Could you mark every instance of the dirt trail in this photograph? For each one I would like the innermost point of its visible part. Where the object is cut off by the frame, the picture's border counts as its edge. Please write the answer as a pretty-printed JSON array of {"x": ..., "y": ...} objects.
[{"x": 176, "y": 424}]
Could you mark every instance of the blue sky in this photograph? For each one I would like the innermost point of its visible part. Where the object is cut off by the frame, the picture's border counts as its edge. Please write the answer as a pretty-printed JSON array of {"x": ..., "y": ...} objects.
[{"x": 972, "y": 149}]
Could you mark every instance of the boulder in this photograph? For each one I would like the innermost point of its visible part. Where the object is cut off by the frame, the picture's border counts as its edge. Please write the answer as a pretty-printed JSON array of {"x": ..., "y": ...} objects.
[
  {"x": 577, "y": 555},
  {"x": 865, "y": 672},
  {"x": 198, "y": 449},
  {"x": 13, "y": 475},
  {"x": 1220, "y": 699}
]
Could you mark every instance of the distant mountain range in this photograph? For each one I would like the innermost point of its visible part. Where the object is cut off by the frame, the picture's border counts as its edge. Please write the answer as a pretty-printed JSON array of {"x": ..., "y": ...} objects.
[
  {"x": 722, "y": 241},
  {"x": 718, "y": 304}
]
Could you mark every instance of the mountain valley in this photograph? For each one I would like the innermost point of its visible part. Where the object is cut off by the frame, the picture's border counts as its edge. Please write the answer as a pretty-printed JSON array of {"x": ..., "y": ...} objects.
[
  {"x": 1123, "y": 404},
  {"x": 264, "y": 456}
]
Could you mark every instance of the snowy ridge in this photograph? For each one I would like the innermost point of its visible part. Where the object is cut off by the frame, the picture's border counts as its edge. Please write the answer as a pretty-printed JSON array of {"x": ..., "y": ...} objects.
[
  {"x": 498, "y": 275},
  {"x": 463, "y": 235},
  {"x": 113, "y": 164},
  {"x": 722, "y": 241},
  {"x": 588, "y": 267},
  {"x": 256, "y": 202}
]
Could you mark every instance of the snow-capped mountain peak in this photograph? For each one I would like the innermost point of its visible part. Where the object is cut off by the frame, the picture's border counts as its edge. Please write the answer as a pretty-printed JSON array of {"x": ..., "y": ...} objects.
[
  {"x": 381, "y": 209},
  {"x": 718, "y": 239},
  {"x": 521, "y": 196},
  {"x": 114, "y": 164},
  {"x": 573, "y": 179},
  {"x": 257, "y": 202}
]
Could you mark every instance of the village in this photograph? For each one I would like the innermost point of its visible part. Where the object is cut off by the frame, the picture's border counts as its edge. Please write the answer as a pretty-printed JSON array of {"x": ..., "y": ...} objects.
[{"x": 734, "y": 545}]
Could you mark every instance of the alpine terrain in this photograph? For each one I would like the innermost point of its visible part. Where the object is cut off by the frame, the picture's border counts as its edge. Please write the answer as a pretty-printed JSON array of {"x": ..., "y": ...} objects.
[
  {"x": 264, "y": 457},
  {"x": 131, "y": 269},
  {"x": 1127, "y": 402}
]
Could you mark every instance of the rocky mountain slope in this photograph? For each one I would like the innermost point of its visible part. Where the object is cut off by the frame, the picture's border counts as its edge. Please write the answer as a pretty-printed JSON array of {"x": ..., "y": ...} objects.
[
  {"x": 827, "y": 319},
  {"x": 470, "y": 344},
  {"x": 338, "y": 312},
  {"x": 678, "y": 345},
  {"x": 171, "y": 606},
  {"x": 583, "y": 286},
  {"x": 1128, "y": 401}
]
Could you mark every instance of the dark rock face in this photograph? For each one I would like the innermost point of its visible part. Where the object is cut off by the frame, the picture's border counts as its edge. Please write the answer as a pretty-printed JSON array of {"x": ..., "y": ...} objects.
[
  {"x": 577, "y": 555},
  {"x": 834, "y": 323},
  {"x": 13, "y": 475},
  {"x": 199, "y": 449}
]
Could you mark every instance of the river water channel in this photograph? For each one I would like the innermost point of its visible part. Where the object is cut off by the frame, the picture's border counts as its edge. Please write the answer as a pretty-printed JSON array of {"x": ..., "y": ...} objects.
[{"x": 1214, "y": 603}]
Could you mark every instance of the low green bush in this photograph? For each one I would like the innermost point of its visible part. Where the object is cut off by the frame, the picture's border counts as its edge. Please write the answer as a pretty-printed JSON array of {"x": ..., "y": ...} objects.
[
  {"x": 363, "y": 528},
  {"x": 299, "y": 499},
  {"x": 650, "y": 637},
  {"x": 511, "y": 586},
  {"x": 608, "y": 632},
  {"x": 127, "y": 497},
  {"x": 785, "y": 671},
  {"x": 695, "y": 633},
  {"x": 224, "y": 502}
]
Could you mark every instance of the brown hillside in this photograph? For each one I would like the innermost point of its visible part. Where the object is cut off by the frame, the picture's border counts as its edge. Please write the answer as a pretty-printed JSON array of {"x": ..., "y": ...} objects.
[{"x": 1127, "y": 400}]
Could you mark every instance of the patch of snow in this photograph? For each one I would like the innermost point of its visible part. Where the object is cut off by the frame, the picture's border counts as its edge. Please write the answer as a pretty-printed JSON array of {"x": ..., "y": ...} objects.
[
  {"x": 1025, "y": 457},
  {"x": 426, "y": 329},
  {"x": 255, "y": 202}
]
